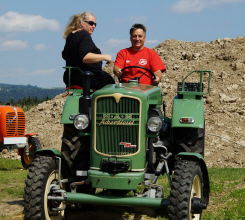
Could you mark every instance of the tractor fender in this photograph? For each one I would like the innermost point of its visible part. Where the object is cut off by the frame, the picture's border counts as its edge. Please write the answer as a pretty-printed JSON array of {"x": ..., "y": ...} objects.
[
  {"x": 188, "y": 108},
  {"x": 31, "y": 135},
  {"x": 49, "y": 152},
  {"x": 71, "y": 106},
  {"x": 56, "y": 154},
  {"x": 198, "y": 157}
]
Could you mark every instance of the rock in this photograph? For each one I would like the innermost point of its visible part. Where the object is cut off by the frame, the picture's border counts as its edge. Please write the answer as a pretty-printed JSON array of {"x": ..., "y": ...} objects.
[
  {"x": 186, "y": 56},
  {"x": 241, "y": 143},
  {"x": 223, "y": 75},
  {"x": 196, "y": 56},
  {"x": 176, "y": 67},
  {"x": 209, "y": 100},
  {"x": 233, "y": 87},
  {"x": 225, "y": 98},
  {"x": 238, "y": 66},
  {"x": 4, "y": 151}
]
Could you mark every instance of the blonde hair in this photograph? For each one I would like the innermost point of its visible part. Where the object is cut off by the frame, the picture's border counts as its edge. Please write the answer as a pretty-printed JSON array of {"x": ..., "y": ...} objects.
[{"x": 75, "y": 22}]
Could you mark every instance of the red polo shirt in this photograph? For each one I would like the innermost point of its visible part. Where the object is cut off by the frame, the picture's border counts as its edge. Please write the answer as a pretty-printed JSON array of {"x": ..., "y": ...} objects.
[{"x": 145, "y": 57}]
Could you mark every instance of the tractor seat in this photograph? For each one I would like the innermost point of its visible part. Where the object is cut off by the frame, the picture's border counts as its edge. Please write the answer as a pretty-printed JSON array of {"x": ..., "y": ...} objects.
[
  {"x": 77, "y": 87},
  {"x": 74, "y": 87}
]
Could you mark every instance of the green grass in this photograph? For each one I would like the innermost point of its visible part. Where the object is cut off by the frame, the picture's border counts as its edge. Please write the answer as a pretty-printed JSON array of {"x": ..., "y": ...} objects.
[
  {"x": 226, "y": 198},
  {"x": 8, "y": 164},
  {"x": 227, "y": 194},
  {"x": 12, "y": 177}
]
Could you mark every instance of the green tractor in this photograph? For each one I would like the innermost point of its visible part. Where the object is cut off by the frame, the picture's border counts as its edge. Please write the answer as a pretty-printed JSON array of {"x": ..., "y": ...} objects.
[{"x": 117, "y": 142}]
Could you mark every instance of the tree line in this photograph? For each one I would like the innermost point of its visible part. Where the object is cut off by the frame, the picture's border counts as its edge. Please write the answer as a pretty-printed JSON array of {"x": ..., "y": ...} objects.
[{"x": 25, "y": 103}]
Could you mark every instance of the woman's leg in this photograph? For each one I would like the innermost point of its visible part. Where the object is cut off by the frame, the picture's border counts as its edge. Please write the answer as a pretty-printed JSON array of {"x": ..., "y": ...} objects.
[{"x": 101, "y": 79}]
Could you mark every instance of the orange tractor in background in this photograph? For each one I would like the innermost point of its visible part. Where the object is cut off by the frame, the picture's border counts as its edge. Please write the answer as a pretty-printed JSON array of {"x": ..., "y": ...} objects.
[{"x": 12, "y": 134}]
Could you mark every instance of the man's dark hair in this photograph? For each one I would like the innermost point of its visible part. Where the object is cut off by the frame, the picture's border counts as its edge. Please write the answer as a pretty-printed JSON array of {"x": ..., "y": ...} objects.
[{"x": 137, "y": 26}]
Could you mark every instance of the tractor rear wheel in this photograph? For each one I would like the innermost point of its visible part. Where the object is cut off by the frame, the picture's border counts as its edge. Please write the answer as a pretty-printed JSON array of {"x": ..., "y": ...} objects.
[
  {"x": 28, "y": 153},
  {"x": 189, "y": 140},
  {"x": 42, "y": 173},
  {"x": 186, "y": 191}
]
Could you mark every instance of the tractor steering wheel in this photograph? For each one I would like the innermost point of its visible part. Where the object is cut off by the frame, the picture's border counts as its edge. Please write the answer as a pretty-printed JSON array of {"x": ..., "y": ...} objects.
[{"x": 140, "y": 67}]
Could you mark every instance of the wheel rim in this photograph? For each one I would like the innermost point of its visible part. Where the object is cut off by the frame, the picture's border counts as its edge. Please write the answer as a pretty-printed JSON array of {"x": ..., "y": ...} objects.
[
  {"x": 53, "y": 177},
  {"x": 196, "y": 191}
]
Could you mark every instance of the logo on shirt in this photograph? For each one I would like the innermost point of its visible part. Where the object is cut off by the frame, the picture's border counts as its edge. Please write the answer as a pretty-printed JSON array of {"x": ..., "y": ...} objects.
[
  {"x": 142, "y": 62},
  {"x": 127, "y": 61}
]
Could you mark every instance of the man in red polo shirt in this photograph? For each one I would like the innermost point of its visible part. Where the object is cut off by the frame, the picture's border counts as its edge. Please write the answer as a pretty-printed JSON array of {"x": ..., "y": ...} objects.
[{"x": 138, "y": 55}]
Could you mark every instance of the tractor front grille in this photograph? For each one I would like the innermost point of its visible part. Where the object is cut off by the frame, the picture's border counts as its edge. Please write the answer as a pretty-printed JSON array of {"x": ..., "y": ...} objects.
[
  {"x": 117, "y": 125},
  {"x": 15, "y": 124}
]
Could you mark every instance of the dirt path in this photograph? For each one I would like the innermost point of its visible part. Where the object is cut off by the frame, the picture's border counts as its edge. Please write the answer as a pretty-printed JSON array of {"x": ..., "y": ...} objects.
[{"x": 11, "y": 209}]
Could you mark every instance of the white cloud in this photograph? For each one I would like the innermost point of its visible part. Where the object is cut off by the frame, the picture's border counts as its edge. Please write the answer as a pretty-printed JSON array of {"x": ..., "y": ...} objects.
[
  {"x": 117, "y": 42},
  {"x": 228, "y": 1},
  {"x": 138, "y": 19},
  {"x": 16, "y": 72},
  {"x": 151, "y": 42},
  {"x": 13, "y": 45},
  {"x": 190, "y": 6},
  {"x": 40, "y": 47},
  {"x": 15, "y": 22},
  {"x": 11, "y": 73},
  {"x": 123, "y": 43},
  {"x": 44, "y": 71}
]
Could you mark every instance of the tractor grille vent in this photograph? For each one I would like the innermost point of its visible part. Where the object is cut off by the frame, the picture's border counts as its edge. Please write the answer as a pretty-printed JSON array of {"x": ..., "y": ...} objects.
[
  {"x": 117, "y": 126},
  {"x": 15, "y": 124}
]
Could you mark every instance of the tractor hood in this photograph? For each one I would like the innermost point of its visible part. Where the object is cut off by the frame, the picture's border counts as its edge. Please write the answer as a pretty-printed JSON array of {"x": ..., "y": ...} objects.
[
  {"x": 147, "y": 93},
  {"x": 119, "y": 124}
]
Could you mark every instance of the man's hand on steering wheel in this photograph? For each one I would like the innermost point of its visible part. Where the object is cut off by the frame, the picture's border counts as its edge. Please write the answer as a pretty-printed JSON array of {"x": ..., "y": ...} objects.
[
  {"x": 158, "y": 75},
  {"x": 156, "y": 78}
]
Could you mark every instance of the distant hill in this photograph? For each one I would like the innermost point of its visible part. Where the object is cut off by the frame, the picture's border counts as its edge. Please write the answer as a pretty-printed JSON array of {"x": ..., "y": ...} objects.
[{"x": 10, "y": 92}]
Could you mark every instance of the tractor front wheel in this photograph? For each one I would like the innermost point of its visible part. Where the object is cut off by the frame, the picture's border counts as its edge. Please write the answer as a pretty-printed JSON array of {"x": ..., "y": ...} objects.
[
  {"x": 186, "y": 191},
  {"x": 43, "y": 175},
  {"x": 75, "y": 149}
]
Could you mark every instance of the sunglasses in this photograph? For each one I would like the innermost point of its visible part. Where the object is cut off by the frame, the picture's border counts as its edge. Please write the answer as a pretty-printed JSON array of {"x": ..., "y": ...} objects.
[{"x": 91, "y": 23}]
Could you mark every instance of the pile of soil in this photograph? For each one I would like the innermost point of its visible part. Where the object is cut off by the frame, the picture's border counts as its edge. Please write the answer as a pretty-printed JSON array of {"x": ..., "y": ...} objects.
[{"x": 225, "y": 106}]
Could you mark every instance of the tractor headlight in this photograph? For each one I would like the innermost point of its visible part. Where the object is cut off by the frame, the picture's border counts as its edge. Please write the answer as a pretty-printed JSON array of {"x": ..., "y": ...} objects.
[
  {"x": 81, "y": 122},
  {"x": 154, "y": 124}
]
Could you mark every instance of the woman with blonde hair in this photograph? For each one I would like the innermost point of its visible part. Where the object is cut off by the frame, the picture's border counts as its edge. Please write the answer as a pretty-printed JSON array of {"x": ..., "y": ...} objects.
[{"x": 80, "y": 51}]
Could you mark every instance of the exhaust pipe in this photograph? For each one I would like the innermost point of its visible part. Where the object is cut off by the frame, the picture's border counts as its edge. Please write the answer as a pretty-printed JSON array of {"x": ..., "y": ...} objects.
[{"x": 85, "y": 100}]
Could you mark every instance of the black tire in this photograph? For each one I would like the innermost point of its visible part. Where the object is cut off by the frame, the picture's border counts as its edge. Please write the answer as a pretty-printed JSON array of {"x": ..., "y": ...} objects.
[
  {"x": 42, "y": 172},
  {"x": 33, "y": 145},
  {"x": 75, "y": 149},
  {"x": 187, "y": 183},
  {"x": 189, "y": 140}
]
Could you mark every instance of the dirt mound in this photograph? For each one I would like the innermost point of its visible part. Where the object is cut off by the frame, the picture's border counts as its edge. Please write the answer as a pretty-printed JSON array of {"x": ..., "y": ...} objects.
[
  {"x": 225, "y": 106},
  {"x": 44, "y": 119}
]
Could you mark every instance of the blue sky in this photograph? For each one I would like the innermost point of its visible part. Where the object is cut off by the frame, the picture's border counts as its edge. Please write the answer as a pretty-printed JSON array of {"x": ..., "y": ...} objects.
[{"x": 31, "y": 31}]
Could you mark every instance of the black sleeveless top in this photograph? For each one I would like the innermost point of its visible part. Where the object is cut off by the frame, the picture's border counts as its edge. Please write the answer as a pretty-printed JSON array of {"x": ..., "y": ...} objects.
[{"x": 77, "y": 46}]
